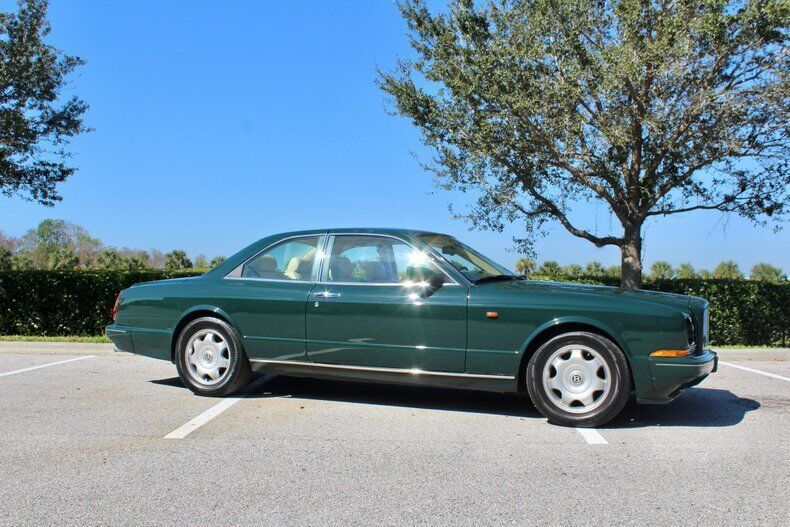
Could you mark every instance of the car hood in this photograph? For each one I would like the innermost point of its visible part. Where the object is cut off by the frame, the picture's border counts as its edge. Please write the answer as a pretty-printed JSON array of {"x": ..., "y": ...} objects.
[{"x": 682, "y": 302}]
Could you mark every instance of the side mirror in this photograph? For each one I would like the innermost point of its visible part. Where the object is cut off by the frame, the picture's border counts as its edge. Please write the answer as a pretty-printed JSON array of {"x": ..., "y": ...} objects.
[{"x": 434, "y": 283}]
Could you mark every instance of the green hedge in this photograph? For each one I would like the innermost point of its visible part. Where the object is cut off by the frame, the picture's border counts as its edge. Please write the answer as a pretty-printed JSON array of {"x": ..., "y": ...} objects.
[
  {"x": 61, "y": 303},
  {"x": 50, "y": 303}
]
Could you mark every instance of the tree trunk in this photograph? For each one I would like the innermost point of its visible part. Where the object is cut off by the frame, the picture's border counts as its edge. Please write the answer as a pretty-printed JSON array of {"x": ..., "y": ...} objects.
[{"x": 631, "y": 259}]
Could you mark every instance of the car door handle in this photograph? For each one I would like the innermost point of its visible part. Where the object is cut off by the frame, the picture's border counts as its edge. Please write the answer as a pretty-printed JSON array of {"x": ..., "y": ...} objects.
[{"x": 325, "y": 294}]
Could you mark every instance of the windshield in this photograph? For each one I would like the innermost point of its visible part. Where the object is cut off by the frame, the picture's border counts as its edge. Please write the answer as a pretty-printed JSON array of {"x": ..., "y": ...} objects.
[{"x": 473, "y": 265}]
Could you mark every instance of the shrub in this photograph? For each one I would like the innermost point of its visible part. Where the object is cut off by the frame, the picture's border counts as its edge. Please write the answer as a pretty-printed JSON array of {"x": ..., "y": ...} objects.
[
  {"x": 79, "y": 302},
  {"x": 76, "y": 302}
]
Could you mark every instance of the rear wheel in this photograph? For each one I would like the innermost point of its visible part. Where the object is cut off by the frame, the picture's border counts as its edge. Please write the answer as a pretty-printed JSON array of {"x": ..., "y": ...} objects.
[
  {"x": 210, "y": 358},
  {"x": 579, "y": 379}
]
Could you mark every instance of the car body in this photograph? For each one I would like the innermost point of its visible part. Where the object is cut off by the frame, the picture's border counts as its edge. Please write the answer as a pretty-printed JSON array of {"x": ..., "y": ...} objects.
[{"x": 394, "y": 305}]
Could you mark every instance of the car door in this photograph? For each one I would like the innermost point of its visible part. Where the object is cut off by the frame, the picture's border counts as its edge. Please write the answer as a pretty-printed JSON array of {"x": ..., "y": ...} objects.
[
  {"x": 373, "y": 308},
  {"x": 267, "y": 296}
]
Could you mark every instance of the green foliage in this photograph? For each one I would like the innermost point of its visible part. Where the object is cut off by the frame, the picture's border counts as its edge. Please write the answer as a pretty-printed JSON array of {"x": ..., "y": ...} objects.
[
  {"x": 686, "y": 271},
  {"x": 216, "y": 261},
  {"x": 177, "y": 259},
  {"x": 34, "y": 128},
  {"x": 77, "y": 302},
  {"x": 573, "y": 270},
  {"x": 595, "y": 269},
  {"x": 661, "y": 271},
  {"x": 6, "y": 259},
  {"x": 526, "y": 266},
  {"x": 766, "y": 273},
  {"x": 201, "y": 262},
  {"x": 728, "y": 270},
  {"x": 57, "y": 244},
  {"x": 550, "y": 268},
  {"x": 646, "y": 108}
]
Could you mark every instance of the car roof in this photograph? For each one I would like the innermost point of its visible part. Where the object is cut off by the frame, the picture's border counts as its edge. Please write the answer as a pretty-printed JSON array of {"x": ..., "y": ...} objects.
[{"x": 355, "y": 230}]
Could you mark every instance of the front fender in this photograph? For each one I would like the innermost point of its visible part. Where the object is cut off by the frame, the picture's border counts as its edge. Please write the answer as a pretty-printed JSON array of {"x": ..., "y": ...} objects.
[{"x": 578, "y": 321}]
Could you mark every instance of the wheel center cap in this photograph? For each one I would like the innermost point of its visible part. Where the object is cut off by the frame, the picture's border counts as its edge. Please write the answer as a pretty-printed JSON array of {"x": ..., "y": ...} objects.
[
  {"x": 577, "y": 378},
  {"x": 207, "y": 356}
]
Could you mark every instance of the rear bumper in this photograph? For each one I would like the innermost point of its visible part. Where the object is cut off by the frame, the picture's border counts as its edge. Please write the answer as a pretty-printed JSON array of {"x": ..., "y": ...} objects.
[
  {"x": 121, "y": 337},
  {"x": 671, "y": 376}
]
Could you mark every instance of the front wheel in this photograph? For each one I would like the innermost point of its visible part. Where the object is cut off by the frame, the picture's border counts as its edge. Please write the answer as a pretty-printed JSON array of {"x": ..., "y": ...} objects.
[
  {"x": 579, "y": 379},
  {"x": 210, "y": 358}
]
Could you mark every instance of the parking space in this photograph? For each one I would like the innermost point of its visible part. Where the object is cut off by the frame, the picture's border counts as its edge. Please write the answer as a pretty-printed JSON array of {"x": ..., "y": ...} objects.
[{"x": 94, "y": 441}]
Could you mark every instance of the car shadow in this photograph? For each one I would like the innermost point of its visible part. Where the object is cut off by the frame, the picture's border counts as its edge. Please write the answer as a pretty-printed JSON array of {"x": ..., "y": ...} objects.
[
  {"x": 703, "y": 407},
  {"x": 171, "y": 381},
  {"x": 422, "y": 397}
]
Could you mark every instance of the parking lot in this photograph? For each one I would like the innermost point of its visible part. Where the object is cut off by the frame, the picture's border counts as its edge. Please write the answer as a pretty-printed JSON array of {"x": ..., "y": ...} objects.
[{"x": 95, "y": 437}]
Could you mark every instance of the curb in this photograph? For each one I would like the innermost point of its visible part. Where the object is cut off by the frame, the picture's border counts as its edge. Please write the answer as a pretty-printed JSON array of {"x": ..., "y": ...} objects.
[
  {"x": 56, "y": 348},
  {"x": 754, "y": 354}
]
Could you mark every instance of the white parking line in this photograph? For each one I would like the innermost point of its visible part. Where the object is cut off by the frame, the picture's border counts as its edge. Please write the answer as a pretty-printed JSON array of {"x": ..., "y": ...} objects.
[
  {"x": 592, "y": 436},
  {"x": 744, "y": 368},
  {"x": 184, "y": 430},
  {"x": 47, "y": 365}
]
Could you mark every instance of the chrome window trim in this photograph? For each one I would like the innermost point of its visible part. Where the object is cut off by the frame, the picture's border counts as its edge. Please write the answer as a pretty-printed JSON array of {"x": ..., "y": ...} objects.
[
  {"x": 278, "y": 242},
  {"x": 412, "y": 371},
  {"x": 430, "y": 256}
]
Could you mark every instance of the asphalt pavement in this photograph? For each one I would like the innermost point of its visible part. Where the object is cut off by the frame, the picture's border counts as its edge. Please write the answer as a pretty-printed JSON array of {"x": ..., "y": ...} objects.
[{"x": 92, "y": 437}]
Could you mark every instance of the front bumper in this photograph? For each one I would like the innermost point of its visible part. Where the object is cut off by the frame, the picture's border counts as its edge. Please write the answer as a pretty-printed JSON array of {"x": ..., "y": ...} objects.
[{"x": 671, "y": 376}]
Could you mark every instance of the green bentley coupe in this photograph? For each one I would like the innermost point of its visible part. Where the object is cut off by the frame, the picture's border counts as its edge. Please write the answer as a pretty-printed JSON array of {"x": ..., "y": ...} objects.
[{"x": 401, "y": 306}]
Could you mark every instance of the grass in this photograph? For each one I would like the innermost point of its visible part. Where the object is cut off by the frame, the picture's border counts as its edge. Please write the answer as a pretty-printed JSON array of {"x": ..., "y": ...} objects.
[{"x": 34, "y": 338}]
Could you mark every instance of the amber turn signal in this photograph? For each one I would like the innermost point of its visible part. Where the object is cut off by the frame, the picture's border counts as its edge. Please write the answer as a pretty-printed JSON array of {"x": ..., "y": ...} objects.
[
  {"x": 670, "y": 353},
  {"x": 492, "y": 314}
]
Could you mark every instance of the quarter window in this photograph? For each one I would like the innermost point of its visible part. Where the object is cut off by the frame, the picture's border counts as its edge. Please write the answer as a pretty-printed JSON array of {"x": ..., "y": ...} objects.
[
  {"x": 290, "y": 260},
  {"x": 376, "y": 260}
]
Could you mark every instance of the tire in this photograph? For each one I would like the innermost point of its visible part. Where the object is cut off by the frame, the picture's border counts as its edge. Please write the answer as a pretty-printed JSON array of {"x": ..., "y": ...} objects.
[
  {"x": 579, "y": 379},
  {"x": 210, "y": 358}
]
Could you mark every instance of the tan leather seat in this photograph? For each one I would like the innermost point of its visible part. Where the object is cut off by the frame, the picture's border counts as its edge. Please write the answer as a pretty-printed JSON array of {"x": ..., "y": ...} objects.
[
  {"x": 299, "y": 268},
  {"x": 262, "y": 267},
  {"x": 305, "y": 268}
]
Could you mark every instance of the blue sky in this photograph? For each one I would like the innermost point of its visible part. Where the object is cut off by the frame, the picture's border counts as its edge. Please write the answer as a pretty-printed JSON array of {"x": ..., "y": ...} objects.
[{"x": 217, "y": 123}]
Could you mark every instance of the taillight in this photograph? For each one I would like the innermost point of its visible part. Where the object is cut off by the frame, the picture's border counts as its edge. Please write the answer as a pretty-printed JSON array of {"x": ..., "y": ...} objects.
[{"x": 115, "y": 307}]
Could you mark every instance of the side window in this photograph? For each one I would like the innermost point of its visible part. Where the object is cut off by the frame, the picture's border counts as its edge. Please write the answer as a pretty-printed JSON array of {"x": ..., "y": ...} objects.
[
  {"x": 376, "y": 260},
  {"x": 290, "y": 260}
]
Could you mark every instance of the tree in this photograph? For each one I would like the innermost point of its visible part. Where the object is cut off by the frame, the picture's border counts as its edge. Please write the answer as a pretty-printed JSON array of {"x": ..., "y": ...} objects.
[
  {"x": 6, "y": 259},
  {"x": 110, "y": 259},
  {"x": 705, "y": 274},
  {"x": 645, "y": 108},
  {"x": 550, "y": 268},
  {"x": 526, "y": 266},
  {"x": 177, "y": 259},
  {"x": 572, "y": 270},
  {"x": 728, "y": 270},
  {"x": 766, "y": 273},
  {"x": 595, "y": 269},
  {"x": 217, "y": 260},
  {"x": 35, "y": 128},
  {"x": 52, "y": 245},
  {"x": 686, "y": 271},
  {"x": 661, "y": 271},
  {"x": 201, "y": 262}
]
